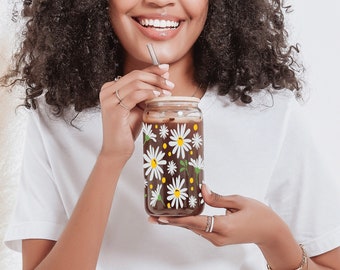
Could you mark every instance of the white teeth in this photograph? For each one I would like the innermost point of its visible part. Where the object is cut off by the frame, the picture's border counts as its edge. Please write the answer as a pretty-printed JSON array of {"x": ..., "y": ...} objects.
[{"x": 159, "y": 23}]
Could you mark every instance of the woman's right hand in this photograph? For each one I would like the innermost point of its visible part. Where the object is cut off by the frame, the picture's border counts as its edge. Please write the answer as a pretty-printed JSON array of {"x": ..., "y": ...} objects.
[{"x": 120, "y": 114}]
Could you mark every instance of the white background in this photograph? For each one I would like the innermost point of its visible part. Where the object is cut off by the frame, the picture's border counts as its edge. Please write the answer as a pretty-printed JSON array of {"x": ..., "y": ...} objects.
[{"x": 314, "y": 25}]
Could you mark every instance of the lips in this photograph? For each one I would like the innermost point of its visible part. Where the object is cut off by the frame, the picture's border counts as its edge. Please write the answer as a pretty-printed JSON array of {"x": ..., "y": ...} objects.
[
  {"x": 158, "y": 23},
  {"x": 157, "y": 27}
]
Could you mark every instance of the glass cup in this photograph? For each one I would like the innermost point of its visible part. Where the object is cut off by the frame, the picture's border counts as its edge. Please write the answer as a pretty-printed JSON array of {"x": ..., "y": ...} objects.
[{"x": 173, "y": 156}]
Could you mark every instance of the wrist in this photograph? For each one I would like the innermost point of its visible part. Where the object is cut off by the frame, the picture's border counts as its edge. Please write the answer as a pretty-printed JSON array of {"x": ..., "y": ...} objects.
[
  {"x": 303, "y": 264},
  {"x": 112, "y": 157},
  {"x": 282, "y": 252},
  {"x": 110, "y": 162}
]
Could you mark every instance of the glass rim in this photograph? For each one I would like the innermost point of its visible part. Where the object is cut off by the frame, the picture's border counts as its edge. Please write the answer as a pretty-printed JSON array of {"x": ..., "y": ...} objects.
[{"x": 173, "y": 98}]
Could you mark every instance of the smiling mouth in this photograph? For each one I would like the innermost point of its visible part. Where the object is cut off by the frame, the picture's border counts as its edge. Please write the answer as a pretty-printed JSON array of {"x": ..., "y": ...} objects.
[{"x": 158, "y": 23}]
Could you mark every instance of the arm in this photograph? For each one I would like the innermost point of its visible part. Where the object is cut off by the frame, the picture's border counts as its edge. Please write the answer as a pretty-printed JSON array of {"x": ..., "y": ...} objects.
[
  {"x": 249, "y": 221},
  {"x": 79, "y": 245},
  {"x": 330, "y": 259},
  {"x": 285, "y": 249},
  {"x": 34, "y": 251}
]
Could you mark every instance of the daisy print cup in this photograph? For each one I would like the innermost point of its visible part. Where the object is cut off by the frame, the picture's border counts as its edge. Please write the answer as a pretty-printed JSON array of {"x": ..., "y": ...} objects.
[{"x": 173, "y": 159}]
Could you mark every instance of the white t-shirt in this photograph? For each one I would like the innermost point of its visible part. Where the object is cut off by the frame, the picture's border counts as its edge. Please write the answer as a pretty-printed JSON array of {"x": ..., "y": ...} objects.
[{"x": 261, "y": 151}]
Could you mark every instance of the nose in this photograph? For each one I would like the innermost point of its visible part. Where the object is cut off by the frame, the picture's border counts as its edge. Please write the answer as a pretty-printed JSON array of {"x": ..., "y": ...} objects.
[{"x": 160, "y": 3}]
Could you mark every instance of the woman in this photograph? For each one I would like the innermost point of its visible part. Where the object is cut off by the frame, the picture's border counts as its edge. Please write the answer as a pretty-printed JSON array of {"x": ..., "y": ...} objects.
[{"x": 80, "y": 200}]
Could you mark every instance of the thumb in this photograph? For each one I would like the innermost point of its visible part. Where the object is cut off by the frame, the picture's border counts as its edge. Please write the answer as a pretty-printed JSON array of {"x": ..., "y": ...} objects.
[{"x": 219, "y": 201}]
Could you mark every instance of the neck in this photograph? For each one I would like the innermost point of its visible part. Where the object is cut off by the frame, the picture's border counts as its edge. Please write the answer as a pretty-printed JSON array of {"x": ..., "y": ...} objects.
[{"x": 182, "y": 74}]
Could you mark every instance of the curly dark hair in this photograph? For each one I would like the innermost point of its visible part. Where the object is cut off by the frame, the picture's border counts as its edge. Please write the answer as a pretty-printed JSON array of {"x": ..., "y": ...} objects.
[{"x": 69, "y": 50}]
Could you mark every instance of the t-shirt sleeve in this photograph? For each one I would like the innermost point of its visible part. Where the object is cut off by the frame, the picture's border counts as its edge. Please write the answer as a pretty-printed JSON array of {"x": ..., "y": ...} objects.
[
  {"x": 303, "y": 190},
  {"x": 39, "y": 211}
]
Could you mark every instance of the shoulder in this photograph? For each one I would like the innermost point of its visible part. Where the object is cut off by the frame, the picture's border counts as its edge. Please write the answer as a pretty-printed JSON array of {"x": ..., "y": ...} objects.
[
  {"x": 267, "y": 105},
  {"x": 282, "y": 101},
  {"x": 45, "y": 117}
]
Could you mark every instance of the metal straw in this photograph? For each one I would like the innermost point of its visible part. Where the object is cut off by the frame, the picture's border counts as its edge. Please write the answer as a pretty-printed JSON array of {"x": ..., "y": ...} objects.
[{"x": 152, "y": 54}]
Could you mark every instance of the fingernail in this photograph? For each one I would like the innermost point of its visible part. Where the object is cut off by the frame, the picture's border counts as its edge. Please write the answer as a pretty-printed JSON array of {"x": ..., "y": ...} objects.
[
  {"x": 166, "y": 93},
  {"x": 152, "y": 220},
  {"x": 170, "y": 84},
  {"x": 156, "y": 93},
  {"x": 163, "y": 220},
  {"x": 166, "y": 75},
  {"x": 164, "y": 66}
]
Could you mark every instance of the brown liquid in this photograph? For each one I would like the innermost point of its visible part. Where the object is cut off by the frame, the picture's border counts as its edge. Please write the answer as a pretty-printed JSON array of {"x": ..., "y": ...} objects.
[{"x": 173, "y": 168}]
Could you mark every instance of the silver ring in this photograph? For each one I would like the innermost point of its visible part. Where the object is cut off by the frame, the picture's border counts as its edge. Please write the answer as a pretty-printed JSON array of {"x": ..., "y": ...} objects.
[
  {"x": 118, "y": 96},
  {"x": 123, "y": 105},
  {"x": 210, "y": 224}
]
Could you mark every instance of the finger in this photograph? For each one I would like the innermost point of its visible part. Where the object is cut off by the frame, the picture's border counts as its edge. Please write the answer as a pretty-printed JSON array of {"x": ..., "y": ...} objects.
[
  {"x": 131, "y": 90},
  {"x": 198, "y": 224},
  {"x": 158, "y": 69},
  {"x": 207, "y": 235},
  {"x": 218, "y": 232},
  {"x": 195, "y": 223},
  {"x": 153, "y": 77},
  {"x": 215, "y": 238},
  {"x": 107, "y": 85},
  {"x": 161, "y": 70},
  {"x": 136, "y": 78},
  {"x": 190, "y": 222},
  {"x": 129, "y": 93},
  {"x": 234, "y": 202},
  {"x": 131, "y": 101}
]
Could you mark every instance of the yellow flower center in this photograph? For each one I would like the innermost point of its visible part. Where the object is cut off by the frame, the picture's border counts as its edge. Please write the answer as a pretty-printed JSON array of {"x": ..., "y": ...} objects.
[
  {"x": 153, "y": 163},
  {"x": 177, "y": 193},
  {"x": 180, "y": 141}
]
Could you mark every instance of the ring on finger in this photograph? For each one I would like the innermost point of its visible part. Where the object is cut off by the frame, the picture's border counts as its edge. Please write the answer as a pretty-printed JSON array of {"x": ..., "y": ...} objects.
[
  {"x": 123, "y": 105},
  {"x": 210, "y": 224},
  {"x": 118, "y": 96}
]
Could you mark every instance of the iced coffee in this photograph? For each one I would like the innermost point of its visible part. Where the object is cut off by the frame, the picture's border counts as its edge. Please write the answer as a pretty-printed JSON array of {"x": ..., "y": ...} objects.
[{"x": 173, "y": 160}]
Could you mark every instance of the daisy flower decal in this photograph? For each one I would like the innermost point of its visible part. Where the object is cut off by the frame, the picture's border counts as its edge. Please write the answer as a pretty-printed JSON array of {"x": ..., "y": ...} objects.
[
  {"x": 197, "y": 140},
  {"x": 148, "y": 134},
  {"x": 156, "y": 196},
  {"x": 163, "y": 131},
  {"x": 172, "y": 168},
  {"x": 197, "y": 164},
  {"x": 177, "y": 194},
  {"x": 153, "y": 160},
  {"x": 179, "y": 142},
  {"x": 192, "y": 201}
]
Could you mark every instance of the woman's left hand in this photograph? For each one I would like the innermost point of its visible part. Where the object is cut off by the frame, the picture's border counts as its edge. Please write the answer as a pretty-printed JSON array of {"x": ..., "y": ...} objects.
[
  {"x": 250, "y": 221},
  {"x": 245, "y": 221}
]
